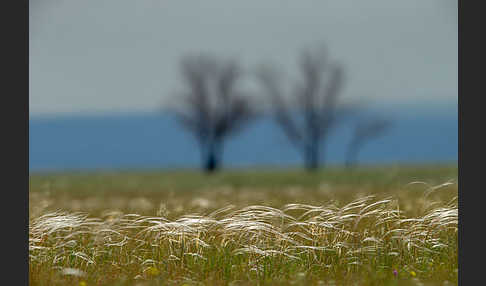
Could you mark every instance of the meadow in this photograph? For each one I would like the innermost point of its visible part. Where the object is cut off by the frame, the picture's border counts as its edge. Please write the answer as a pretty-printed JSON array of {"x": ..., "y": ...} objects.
[{"x": 384, "y": 225}]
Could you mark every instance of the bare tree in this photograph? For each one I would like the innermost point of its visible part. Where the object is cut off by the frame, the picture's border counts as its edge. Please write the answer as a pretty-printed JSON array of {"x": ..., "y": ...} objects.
[
  {"x": 212, "y": 108},
  {"x": 313, "y": 110},
  {"x": 365, "y": 130}
]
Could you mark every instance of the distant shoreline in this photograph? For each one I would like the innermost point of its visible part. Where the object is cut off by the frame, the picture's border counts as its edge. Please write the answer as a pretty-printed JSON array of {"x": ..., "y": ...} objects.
[{"x": 154, "y": 140}]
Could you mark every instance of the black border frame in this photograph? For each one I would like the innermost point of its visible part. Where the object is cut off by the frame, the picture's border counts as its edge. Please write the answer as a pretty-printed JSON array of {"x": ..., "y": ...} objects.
[{"x": 14, "y": 22}]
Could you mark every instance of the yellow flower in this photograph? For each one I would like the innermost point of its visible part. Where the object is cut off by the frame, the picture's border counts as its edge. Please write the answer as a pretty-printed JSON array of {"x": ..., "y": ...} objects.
[
  {"x": 413, "y": 273},
  {"x": 83, "y": 283},
  {"x": 153, "y": 271}
]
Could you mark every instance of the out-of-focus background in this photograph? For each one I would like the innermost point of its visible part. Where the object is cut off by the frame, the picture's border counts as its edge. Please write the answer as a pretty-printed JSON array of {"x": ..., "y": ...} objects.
[{"x": 104, "y": 75}]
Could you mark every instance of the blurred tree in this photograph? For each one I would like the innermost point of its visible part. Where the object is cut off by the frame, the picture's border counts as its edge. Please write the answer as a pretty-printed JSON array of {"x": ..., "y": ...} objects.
[
  {"x": 313, "y": 110},
  {"x": 212, "y": 108},
  {"x": 365, "y": 130}
]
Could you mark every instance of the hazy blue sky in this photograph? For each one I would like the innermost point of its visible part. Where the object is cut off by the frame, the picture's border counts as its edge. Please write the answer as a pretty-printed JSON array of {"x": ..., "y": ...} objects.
[{"x": 122, "y": 55}]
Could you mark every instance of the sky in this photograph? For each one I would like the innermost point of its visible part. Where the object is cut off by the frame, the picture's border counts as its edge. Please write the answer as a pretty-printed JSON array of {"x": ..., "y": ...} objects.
[{"x": 92, "y": 56}]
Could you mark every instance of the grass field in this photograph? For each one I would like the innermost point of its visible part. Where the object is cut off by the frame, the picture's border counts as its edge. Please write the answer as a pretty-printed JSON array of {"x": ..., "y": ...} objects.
[{"x": 370, "y": 226}]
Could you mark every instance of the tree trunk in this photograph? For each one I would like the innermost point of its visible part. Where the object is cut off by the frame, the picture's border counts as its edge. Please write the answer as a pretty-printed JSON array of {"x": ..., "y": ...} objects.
[
  {"x": 212, "y": 162},
  {"x": 352, "y": 154},
  {"x": 312, "y": 157}
]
